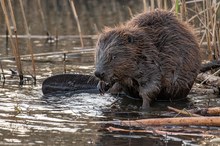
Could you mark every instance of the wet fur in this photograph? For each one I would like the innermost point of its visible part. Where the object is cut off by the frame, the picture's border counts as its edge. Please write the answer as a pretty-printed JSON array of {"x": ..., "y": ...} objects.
[{"x": 153, "y": 55}]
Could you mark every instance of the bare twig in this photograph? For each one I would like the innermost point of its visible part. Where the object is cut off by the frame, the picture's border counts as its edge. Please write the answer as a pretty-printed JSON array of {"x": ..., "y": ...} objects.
[{"x": 184, "y": 112}]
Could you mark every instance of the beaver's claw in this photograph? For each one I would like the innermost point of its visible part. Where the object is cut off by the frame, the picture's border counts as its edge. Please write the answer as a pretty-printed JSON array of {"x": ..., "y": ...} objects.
[{"x": 103, "y": 87}]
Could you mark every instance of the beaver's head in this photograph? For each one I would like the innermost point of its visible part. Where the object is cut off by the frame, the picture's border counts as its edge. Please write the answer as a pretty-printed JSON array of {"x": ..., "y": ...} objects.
[{"x": 116, "y": 54}]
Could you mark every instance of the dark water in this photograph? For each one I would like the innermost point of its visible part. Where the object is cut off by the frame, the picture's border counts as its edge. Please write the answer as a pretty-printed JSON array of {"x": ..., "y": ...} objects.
[{"x": 29, "y": 118}]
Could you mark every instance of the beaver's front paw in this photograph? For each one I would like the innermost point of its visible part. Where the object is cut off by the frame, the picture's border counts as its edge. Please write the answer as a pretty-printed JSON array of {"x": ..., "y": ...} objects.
[{"x": 103, "y": 87}]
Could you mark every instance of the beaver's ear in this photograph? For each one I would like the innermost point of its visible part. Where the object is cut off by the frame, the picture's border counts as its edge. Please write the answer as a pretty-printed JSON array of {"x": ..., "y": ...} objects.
[{"x": 130, "y": 38}]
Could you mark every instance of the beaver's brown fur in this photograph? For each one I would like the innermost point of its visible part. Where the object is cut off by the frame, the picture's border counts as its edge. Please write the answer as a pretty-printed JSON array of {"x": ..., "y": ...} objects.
[{"x": 153, "y": 55}]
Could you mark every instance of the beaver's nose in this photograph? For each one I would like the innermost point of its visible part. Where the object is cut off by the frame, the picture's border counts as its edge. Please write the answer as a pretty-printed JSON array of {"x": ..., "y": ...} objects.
[{"x": 99, "y": 74}]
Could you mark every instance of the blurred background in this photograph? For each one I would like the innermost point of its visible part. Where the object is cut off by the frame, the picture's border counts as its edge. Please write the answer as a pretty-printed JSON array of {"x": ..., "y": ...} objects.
[{"x": 61, "y": 27}]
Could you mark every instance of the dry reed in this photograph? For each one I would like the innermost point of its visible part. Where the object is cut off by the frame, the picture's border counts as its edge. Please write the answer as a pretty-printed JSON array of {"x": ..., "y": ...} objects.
[
  {"x": 3, "y": 76},
  {"x": 13, "y": 44},
  {"x": 200, "y": 13},
  {"x": 29, "y": 45},
  {"x": 6, "y": 41},
  {"x": 42, "y": 16},
  {"x": 77, "y": 21},
  {"x": 144, "y": 4}
]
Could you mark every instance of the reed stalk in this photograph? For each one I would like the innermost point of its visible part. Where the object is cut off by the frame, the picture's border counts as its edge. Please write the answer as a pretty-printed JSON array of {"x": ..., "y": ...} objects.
[
  {"x": 183, "y": 10},
  {"x": 64, "y": 62},
  {"x": 177, "y": 7},
  {"x": 218, "y": 37},
  {"x": 42, "y": 16},
  {"x": 14, "y": 45},
  {"x": 56, "y": 40},
  {"x": 77, "y": 21},
  {"x": 165, "y": 5},
  {"x": 160, "y": 4},
  {"x": 3, "y": 76},
  {"x": 218, "y": 32},
  {"x": 16, "y": 41},
  {"x": 208, "y": 37},
  {"x": 130, "y": 13},
  {"x": 6, "y": 43},
  {"x": 145, "y": 5},
  {"x": 152, "y": 5},
  {"x": 29, "y": 45}
]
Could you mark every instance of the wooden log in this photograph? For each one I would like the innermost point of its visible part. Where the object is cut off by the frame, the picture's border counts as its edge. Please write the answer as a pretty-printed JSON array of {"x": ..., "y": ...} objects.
[
  {"x": 207, "y": 111},
  {"x": 183, "y": 121},
  {"x": 159, "y": 132}
]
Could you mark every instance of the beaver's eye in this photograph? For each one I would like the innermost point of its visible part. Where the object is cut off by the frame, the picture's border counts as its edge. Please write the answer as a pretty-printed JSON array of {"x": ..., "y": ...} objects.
[{"x": 113, "y": 57}]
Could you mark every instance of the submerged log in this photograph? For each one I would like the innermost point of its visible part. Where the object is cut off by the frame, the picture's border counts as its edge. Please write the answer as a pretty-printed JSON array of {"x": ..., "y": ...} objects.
[{"x": 159, "y": 132}]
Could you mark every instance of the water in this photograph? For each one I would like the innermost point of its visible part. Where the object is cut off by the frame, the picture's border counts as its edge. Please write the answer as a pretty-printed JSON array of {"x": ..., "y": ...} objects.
[{"x": 27, "y": 117}]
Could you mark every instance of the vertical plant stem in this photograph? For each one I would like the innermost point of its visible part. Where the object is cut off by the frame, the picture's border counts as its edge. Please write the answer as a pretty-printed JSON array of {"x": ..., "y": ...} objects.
[
  {"x": 15, "y": 50},
  {"x": 214, "y": 9},
  {"x": 56, "y": 39},
  {"x": 2, "y": 71},
  {"x": 208, "y": 38},
  {"x": 42, "y": 15},
  {"x": 145, "y": 5},
  {"x": 177, "y": 7},
  {"x": 77, "y": 21},
  {"x": 130, "y": 13},
  {"x": 165, "y": 5},
  {"x": 6, "y": 39},
  {"x": 152, "y": 5},
  {"x": 64, "y": 62},
  {"x": 29, "y": 45},
  {"x": 160, "y": 4},
  {"x": 16, "y": 41},
  {"x": 183, "y": 10},
  {"x": 218, "y": 37}
]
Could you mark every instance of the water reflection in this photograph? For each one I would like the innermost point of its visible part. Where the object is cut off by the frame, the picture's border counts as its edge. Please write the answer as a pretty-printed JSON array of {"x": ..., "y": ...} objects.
[{"x": 28, "y": 117}]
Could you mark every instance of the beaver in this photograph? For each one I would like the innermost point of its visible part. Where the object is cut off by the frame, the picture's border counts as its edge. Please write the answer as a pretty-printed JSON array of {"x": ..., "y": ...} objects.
[{"x": 154, "y": 55}]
